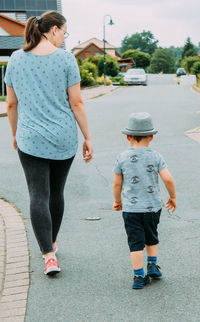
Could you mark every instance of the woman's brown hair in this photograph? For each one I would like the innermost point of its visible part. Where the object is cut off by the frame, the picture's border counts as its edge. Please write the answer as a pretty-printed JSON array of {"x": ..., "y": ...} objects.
[{"x": 37, "y": 26}]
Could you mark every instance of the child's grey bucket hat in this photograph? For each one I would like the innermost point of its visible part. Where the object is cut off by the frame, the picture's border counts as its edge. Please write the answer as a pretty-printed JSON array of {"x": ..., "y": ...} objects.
[{"x": 140, "y": 124}]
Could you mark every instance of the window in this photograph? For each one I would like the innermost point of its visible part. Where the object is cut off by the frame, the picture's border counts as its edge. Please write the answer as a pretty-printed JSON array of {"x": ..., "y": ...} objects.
[
  {"x": 1, "y": 4},
  {"x": 9, "y": 4},
  {"x": 30, "y": 4},
  {"x": 52, "y": 5},
  {"x": 20, "y": 4},
  {"x": 41, "y": 5}
]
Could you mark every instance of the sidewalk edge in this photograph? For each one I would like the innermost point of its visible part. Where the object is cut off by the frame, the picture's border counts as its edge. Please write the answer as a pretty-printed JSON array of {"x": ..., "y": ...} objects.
[{"x": 16, "y": 278}]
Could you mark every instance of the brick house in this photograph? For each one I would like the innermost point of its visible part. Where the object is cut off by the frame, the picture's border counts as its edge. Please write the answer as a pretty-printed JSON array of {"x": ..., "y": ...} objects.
[
  {"x": 13, "y": 16},
  {"x": 11, "y": 36},
  {"x": 94, "y": 47}
]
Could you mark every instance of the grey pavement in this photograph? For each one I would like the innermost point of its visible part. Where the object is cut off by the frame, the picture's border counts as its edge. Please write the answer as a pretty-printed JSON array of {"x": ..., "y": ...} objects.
[
  {"x": 95, "y": 282},
  {"x": 14, "y": 253}
]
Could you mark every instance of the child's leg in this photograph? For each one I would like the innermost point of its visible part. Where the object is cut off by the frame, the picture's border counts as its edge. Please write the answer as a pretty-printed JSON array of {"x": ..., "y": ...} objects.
[
  {"x": 137, "y": 263},
  {"x": 137, "y": 259},
  {"x": 151, "y": 221},
  {"x": 133, "y": 223},
  {"x": 152, "y": 251},
  {"x": 136, "y": 240}
]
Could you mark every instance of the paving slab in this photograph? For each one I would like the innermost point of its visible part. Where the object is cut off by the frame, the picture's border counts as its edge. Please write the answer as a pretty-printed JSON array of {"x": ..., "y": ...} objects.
[{"x": 14, "y": 265}]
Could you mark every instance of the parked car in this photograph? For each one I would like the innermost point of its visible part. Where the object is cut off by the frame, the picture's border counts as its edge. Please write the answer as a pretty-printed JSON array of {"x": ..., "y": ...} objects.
[
  {"x": 135, "y": 76},
  {"x": 180, "y": 72}
]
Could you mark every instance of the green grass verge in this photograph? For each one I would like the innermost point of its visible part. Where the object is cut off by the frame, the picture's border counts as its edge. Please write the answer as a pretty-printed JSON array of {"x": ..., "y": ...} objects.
[{"x": 2, "y": 98}]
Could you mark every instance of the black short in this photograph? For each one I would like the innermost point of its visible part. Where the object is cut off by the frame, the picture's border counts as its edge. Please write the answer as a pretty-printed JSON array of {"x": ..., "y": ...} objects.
[{"x": 141, "y": 229}]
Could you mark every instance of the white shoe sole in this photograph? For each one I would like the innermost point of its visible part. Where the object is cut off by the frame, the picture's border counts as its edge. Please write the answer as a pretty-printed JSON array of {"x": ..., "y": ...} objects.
[{"x": 52, "y": 270}]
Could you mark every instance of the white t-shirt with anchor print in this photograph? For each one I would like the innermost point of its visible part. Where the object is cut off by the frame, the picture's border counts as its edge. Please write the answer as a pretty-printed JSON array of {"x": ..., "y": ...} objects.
[{"x": 140, "y": 190}]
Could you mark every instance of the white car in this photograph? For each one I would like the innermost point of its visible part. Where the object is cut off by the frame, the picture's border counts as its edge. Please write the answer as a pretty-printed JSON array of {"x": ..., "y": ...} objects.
[{"x": 135, "y": 76}]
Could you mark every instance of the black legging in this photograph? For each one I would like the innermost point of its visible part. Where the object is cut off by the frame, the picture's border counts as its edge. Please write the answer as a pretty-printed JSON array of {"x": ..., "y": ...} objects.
[{"x": 46, "y": 180}]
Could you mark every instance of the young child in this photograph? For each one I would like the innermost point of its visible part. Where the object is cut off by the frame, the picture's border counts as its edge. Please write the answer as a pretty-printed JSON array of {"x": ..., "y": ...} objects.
[{"x": 136, "y": 177}]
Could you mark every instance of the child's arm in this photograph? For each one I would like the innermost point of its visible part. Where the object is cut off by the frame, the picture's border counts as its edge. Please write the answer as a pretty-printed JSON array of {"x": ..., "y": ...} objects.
[
  {"x": 117, "y": 189},
  {"x": 170, "y": 185}
]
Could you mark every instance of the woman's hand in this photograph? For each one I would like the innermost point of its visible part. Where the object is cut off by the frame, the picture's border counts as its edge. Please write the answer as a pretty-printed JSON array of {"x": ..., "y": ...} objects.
[
  {"x": 87, "y": 150},
  {"x": 14, "y": 143}
]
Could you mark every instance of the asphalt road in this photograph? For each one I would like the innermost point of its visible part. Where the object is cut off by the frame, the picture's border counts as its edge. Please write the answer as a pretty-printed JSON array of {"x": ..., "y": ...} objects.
[{"x": 96, "y": 278}]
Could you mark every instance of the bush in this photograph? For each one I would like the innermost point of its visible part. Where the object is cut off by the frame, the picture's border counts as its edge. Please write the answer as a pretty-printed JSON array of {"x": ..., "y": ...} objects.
[
  {"x": 112, "y": 67},
  {"x": 92, "y": 68},
  {"x": 188, "y": 63},
  {"x": 141, "y": 59},
  {"x": 2, "y": 98},
  {"x": 87, "y": 78},
  {"x": 5, "y": 65},
  {"x": 100, "y": 80},
  {"x": 121, "y": 81},
  {"x": 79, "y": 61},
  {"x": 118, "y": 79},
  {"x": 196, "y": 68},
  {"x": 93, "y": 59}
]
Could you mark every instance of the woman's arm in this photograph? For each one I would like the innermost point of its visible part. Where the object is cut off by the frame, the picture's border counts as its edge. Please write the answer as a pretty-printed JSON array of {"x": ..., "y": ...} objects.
[
  {"x": 12, "y": 103},
  {"x": 78, "y": 108}
]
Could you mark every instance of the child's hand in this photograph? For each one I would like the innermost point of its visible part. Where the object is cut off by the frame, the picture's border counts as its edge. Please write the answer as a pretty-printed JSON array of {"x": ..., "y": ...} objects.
[
  {"x": 117, "y": 206},
  {"x": 171, "y": 204}
]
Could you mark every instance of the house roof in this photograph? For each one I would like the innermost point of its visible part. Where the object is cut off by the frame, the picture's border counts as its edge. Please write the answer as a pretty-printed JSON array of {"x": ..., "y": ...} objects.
[
  {"x": 126, "y": 60},
  {"x": 12, "y": 26},
  {"x": 78, "y": 52},
  {"x": 99, "y": 43},
  {"x": 9, "y": 42}
]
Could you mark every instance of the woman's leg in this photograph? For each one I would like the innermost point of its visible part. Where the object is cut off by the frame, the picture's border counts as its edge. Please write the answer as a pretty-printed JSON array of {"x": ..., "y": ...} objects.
[
  {"x": 59, "y": 170},
  {"x": 37, "y": 176}
]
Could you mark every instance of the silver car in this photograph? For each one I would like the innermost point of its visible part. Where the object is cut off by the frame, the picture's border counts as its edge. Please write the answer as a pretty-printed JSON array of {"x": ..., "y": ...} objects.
[{"x": 135, "y": 76}]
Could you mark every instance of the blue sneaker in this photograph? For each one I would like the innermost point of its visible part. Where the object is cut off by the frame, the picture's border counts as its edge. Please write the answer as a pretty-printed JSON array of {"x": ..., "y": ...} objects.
[
  {"x": 139, "y": 281},
  {"x": 153, "y": 270}
]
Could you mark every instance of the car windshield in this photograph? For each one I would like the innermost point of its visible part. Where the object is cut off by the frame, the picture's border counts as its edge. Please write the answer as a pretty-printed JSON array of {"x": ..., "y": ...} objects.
[{"x": 136, "y": 71}]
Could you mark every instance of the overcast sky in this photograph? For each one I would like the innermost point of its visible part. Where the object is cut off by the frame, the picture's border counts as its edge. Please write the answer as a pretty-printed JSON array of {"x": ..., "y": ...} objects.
[{"x": 170, "y": 21}]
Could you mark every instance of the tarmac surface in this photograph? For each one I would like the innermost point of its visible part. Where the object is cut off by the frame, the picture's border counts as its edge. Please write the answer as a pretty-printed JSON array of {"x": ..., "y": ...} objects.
[
  {"x": 14, "y": 252},
  {"x": 95, "y": 282}
]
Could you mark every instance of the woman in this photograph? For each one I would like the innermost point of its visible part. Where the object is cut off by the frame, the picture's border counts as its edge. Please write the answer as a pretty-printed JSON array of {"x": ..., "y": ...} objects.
[{"x": 43, "y": 105}]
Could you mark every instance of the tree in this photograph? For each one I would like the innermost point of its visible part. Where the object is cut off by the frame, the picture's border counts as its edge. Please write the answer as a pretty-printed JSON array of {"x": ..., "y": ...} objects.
[
  {"x": 112, "y": 67},
  {"x": 196, "y": 68},
  {"x": 143, "y": 41},
  {"x": 141, "y": 59},
  {"x": 188, "y": 49},
  {"x": 162, "y": 61},
  {"x": 188, "y": 62},
  {"x": 177, "y": 51}
]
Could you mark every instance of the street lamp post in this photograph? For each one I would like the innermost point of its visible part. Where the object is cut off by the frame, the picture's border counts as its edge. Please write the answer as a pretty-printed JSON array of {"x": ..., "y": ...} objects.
[{"x": 104, "y": 44}]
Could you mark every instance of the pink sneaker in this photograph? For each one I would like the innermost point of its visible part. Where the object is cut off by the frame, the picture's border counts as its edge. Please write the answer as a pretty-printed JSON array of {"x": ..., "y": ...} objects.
[{"x": 51, "y": 267}]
